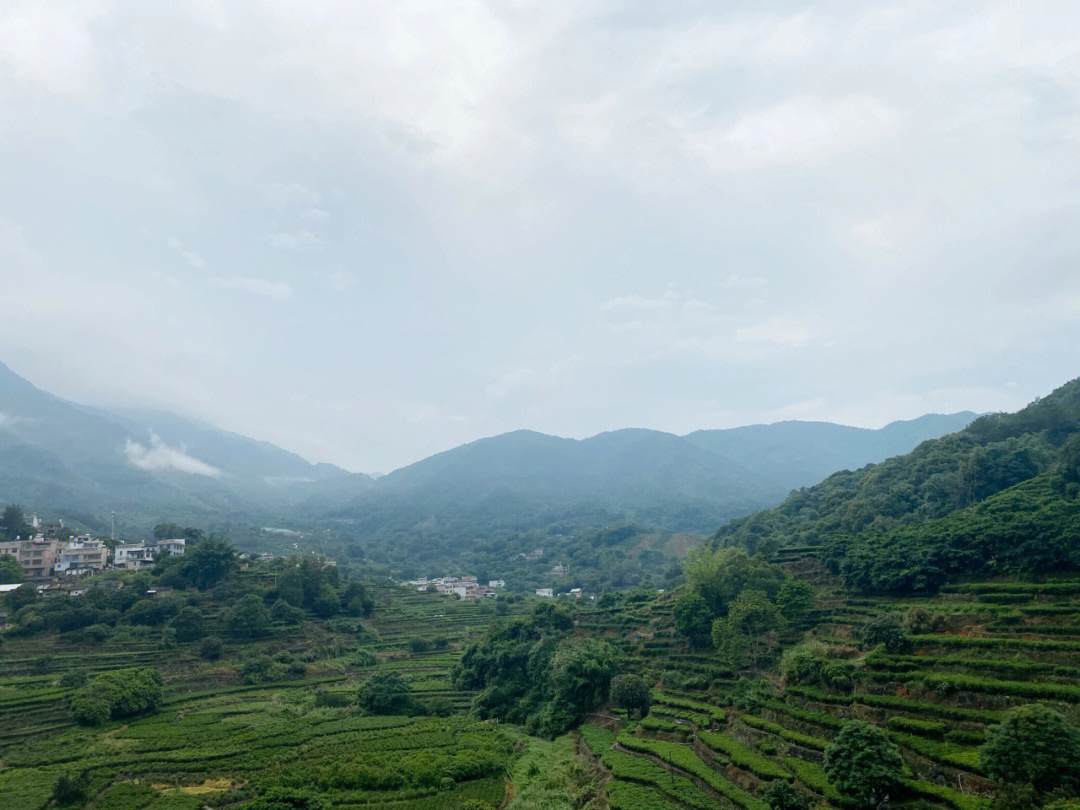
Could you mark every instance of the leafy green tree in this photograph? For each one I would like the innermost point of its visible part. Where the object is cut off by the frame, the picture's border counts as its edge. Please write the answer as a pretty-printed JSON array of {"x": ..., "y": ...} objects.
[
  {"x": 115, "y": 694},
  {"x": 386, "y": 693},
  {"x": 188, "y": 624},
  {"x": 326, "y": 603},
  {"x": 72, "y": 788},
  {"x": 168, "y": 531},
  {"x": 208, "y": 561},
  {"x": 630, "y": 692},
  {"x": 720, "y": 575},
  {"x": 795, "y": 599},
  {"x": 281, "y": 611},
  {"x": 210, "y": 649},
  {"x": 863, "y": 764},
  {"x": 290, "y": 587},
  {"x": 1034, "y": 745},
  {"x": 10, "y": 570},
  {"x": 780, "y": 794},
  {"x": 355, "y": 600},
  {"x": 13, "y": 523},
  {"x": 248, "y": 618},
  {"x": 750, "y": 629},
  {"x": 693, "y": 618},
  {"x": 22, "y": 596}
]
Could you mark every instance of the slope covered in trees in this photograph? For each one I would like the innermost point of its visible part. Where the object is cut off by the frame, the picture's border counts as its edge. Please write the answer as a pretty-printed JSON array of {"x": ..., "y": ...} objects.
[{"x": 999, "y": 496}]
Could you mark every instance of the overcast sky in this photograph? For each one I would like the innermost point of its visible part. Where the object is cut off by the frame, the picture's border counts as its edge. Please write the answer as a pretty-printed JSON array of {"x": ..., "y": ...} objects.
[{"x": 371, "y": 231}]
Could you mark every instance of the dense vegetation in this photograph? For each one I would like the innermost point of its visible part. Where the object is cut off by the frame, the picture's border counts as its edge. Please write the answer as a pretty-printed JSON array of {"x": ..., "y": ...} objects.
[
  {"x": 999, "y": 496},
  {"x": 533, "y": 671}
]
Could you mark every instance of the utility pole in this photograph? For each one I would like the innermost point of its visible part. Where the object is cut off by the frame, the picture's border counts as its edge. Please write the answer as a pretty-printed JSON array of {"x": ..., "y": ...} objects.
[{"x": 114, "y": 527}]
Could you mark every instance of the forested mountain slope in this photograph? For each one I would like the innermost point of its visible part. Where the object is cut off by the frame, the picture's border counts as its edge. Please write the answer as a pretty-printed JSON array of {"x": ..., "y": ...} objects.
[
  {"x": 1000, "y": 495},
  {"x": 797, "y": 454}
]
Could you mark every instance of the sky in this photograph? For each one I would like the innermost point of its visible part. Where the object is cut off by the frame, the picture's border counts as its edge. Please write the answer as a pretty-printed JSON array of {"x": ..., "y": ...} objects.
[{"x": 368, "y": 232}]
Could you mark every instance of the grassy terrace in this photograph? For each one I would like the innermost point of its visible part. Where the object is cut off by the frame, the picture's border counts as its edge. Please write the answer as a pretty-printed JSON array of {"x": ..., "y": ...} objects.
[
  {"x": 217, "y": 737},
  {"x": 994, "y": 646}
]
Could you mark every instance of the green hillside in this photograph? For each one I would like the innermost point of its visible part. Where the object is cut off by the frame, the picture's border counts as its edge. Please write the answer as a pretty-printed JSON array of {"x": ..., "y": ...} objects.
[{"x": 999, "y": 496}]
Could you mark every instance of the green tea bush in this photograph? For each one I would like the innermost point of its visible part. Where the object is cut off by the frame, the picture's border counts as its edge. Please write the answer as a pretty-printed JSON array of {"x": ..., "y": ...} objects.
[{"x": 743, "y": 757}]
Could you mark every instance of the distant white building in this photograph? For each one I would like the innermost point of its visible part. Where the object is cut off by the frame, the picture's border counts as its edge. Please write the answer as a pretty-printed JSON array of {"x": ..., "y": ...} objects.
[
  {"x": 174, "y": 547},
  {"x": 547, "y": 593},
  {"x": 497, "y": 583},
  {"x": 133, "y": 556}
]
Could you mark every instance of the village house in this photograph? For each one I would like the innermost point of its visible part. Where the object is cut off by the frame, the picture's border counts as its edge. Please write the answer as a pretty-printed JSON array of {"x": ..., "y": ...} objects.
[
  {"x": 81, "y": 555},
  {"x": 546, "y": 593},
  {"x": 133, "y": 556},
  {"x": 36, "y": 556},
  {"x": 174, "y": 547}
]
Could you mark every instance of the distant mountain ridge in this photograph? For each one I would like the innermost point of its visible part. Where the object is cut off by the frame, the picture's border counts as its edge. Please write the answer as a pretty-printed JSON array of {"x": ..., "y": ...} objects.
[{"x": 151, "y": 464}]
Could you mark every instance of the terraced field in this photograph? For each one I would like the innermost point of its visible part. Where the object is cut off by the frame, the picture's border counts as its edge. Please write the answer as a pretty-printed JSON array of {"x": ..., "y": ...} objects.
[
  {"x": 995, "y": 645},
  {"x": 219, "y": 739}
]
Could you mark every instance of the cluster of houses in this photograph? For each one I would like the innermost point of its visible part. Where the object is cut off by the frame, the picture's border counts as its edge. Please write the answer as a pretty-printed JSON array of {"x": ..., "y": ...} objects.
[
  {"x": 466, "y": 588},
  {"x": 52, "y": 552},
  {"x": 549, "y": 593}
]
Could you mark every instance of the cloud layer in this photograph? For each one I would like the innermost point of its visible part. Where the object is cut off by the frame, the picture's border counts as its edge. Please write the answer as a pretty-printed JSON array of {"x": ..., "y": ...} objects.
[
  {"x": 370, "y": 231},
  {"x": 158, "y": 456}
]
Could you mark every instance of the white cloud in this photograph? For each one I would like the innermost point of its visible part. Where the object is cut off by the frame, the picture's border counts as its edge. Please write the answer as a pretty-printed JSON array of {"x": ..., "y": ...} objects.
[
  {"x": 284, "y": 195},
  {"x": 313, "y": 214},
  {"x": 296, "y": 242},
  {"x": 47, "y": 46},
  {"x": 8, "y": 420},
  {"x": 278, "y": 290},
  {"x": 775, "y": 332},
  {"x": 802, "y": 130},
  {"x": 342, "y": 280},
  {"x": 159, "y": 456},
  {"x": 190, "y": 256}
]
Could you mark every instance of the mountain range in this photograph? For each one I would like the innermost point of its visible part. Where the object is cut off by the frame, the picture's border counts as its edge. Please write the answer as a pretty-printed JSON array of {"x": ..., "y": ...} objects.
[{"x": 56, "y": 455}]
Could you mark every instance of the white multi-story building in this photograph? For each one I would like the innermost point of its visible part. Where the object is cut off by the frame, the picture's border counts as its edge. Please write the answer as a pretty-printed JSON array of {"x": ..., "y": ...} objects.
[
  {"x": 133, "y": 556},
  {"x": 174, "y": 547},
  {"x": 81, "y": 555}
]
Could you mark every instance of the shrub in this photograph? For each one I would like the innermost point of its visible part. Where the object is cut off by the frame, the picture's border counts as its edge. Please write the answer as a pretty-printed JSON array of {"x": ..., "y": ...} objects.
[
  {"x": 74, "y": 678},
  {"x": 210, "y": 649},
  {"x": 324, "y": 697},
  {"x": 887, "y": 631},
  {"x": 751, "y": 694},
  {"x": 263, "y": 669},
  {"x": 121, "y": 693},
  {"x": 71, "y": 788},
  {"x": 386, "y": 693},
  {"x": 364, "y": 659},
  {"x": 438, "y": 706},
  {"x": 918, "y": 622},
  {"x": 97, "y": 633},
  {"x": 780, "y": 795}
]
